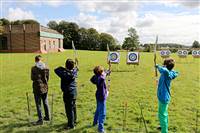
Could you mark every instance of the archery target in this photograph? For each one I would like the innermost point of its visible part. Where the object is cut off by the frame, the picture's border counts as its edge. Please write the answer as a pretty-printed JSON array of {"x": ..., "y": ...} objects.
[
  {"x": 114, "y": 57},
  {"x": 133, "y": 58},
  {"x": 182, "y": 53},
  {"x": 196, "y": 53},
  {"x": 165, "y": 53}
]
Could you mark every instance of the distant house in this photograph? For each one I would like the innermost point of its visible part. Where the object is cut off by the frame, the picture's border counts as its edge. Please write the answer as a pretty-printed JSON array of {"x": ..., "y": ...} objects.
[{"x": 30, "y": 38}]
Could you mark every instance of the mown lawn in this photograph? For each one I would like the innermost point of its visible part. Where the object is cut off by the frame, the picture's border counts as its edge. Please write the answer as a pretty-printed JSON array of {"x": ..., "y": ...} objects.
[{"x": 131, "y": 84}]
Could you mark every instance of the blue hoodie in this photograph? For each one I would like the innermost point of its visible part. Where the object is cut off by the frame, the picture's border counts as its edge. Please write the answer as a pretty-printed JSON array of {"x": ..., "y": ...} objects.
[
  {"x": 164, "y": 84},
  {"x": 68, "y": 81}
]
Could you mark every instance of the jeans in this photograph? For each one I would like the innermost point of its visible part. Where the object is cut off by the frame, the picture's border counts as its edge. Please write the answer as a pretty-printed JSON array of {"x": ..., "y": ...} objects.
[
  {"x": 70, "y": 110},
  {"x": 100, "y": 115},
  {"x": 44, "y": 98},
  {"x": 163, "y": 117}
]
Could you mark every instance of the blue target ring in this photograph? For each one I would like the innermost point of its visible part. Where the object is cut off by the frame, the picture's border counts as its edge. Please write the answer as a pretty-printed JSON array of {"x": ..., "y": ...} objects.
[
  {"x": 113, "y": 56},
  {"x": 162, "y": 52},
  {"x": 132, "y": 57},
  {"x": 194, "y": 53},
  {"x": 199, "y": 52}
]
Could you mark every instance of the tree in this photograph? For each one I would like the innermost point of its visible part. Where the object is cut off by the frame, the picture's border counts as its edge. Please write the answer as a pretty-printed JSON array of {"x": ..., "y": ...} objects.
[
  {"x": 53, "y": 25},
  {"x": 195, "y": 44},
  {"x": 27, "y": 21},
  {"x": 83, "y": 38},
  {"x": 93, "y": 39},
  {"x": 4, "y": 21},
  {"x": 70, "y": 33},
  {"x": 105, "y": 39},
  {"x": 132, "y": 41}
]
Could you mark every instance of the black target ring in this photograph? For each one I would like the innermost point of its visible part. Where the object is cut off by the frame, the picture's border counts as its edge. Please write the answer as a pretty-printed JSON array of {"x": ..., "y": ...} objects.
[
  {"x": 184, "y": 52},
  {"x": 179, "y": 52},
  {"x": 132, "y": 57},
  {"x": 167, "y": 52},
  {"x": 113, "y": 56}
]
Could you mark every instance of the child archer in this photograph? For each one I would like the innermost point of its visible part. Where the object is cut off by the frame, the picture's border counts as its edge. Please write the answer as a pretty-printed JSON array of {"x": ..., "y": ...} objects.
[
  {"x": 101, "y": 94},
  {"x": 163, "y": 91},
  {"x": 68, "y": 77}
]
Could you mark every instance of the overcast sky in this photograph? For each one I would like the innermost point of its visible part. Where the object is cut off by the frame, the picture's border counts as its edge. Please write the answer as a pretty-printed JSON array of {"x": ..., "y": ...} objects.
[{"x": 174, "y": 21}]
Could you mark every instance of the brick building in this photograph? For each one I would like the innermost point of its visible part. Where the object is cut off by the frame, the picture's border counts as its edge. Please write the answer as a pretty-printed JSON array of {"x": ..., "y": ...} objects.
[{"x": 30, "y": 38}]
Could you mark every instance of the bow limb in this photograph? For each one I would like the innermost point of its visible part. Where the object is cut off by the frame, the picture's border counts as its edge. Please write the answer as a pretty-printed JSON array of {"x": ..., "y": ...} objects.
[
  {"x": 75, "y": 54},
  {"x": 155, "y": 45}
]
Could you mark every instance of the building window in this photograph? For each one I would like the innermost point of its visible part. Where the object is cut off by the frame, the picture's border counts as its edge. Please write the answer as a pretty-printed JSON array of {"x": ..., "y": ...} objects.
[
  {"x": 54, "y": 45},
  {"x": 49, "y": 44},
  {"x": 59, "y": 43},
  {"x": 45, "y": 47}
]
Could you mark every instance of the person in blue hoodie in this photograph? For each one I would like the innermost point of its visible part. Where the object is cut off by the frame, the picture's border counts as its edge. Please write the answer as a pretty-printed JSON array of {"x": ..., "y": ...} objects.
[
  {"x": 68, "y": 77},
  {"x": 163, "y": 91},
  {"x": 99, "y": 79}
]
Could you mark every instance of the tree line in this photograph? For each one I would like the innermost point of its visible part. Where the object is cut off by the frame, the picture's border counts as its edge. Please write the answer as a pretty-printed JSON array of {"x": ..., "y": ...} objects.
[{"x": 91, "y": 39}]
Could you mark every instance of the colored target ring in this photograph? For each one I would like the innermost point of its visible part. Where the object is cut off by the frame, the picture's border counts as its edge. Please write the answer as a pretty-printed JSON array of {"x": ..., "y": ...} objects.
[
  {"x": 167, "y": 52},
  {"x": 132, "y": 57},
  {"x": 113, "y": 56},
  {"x": 199, "y": 53},
  {"x": 194, "y": 53},
  {"x": 162, "y": 52},
  {"x": 184, "y": 52}
]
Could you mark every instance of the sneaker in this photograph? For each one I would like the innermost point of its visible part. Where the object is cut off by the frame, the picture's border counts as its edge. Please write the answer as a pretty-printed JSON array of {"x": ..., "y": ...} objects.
[
  {"x": 69, "y": 128},
  {"x": 102, "y": 132},
  {"x": 46, "y": 118},
  {"x": 39, "y": 122},
  {"x": 159, "y": 128}
]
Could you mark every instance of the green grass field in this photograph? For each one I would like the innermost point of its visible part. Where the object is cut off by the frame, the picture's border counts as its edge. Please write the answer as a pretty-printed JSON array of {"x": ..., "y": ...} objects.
[{"x": 131, "y": 84}]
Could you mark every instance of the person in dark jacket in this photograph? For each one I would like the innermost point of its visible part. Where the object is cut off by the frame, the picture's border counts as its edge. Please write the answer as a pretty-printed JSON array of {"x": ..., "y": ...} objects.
[
  {"x": 40, "y": 77},
  {"x": 68, "y": 77},
  {"x": 101, "y": 94}
]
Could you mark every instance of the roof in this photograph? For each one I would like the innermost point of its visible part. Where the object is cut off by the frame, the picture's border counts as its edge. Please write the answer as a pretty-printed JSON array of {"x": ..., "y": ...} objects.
[{"x": 46, "y": 29}]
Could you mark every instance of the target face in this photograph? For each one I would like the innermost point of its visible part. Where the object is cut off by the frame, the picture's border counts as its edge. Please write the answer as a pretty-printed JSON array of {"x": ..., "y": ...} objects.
[
  {"x": 182, "y": 53},
  {"x": 179, "y": 52},
  {"x": 185, "y": 52},
  {"x": 114, "y": 57},
  {"x": 162, "y": 53},
  {"x": 133, "y": 58},
  {"x": 196, "y": 53},
  {"x": 165, "y": 53}
]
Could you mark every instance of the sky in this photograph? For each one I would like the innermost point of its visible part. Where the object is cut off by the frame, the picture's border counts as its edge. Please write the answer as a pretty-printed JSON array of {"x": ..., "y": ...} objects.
[{"x": 174, "y": 21}]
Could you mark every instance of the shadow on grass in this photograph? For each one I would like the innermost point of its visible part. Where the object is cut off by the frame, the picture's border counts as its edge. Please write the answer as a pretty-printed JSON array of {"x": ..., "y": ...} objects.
[{"x": 46, "y": 128}]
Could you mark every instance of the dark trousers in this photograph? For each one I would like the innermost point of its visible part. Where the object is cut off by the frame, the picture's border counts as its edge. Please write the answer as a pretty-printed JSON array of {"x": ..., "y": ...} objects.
[
  {"x": 70, "y": 110},
  {"x": 44, "y": 99}
]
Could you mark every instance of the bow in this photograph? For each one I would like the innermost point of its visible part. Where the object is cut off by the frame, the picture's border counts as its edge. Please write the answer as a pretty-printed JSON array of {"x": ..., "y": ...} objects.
[
  {"x": 109, "y": 69},
  {"x": 75, "y": 54},
  {"x": 156, "y": 72}
]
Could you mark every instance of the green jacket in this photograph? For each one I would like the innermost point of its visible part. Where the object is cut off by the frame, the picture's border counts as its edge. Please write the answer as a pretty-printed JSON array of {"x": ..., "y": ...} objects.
[{"x": 40, "y": 79}]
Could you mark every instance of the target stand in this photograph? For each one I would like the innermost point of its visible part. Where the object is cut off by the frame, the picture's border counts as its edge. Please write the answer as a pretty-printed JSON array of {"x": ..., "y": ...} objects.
[
  {"x": 132, "y": 58},
  {"x": 165, "y": 53}
]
